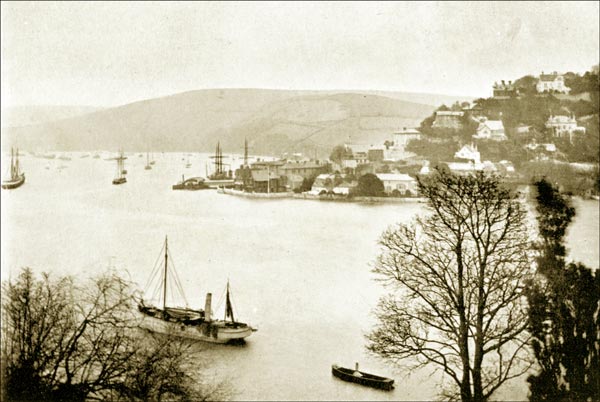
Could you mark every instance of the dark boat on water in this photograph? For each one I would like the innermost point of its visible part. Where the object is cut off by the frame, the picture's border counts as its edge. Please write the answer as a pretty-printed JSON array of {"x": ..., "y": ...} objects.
[
  {"x": 362, "y": 378},
  {"x": 120, "y": 177},
  {"x": 193, "y": 183}
]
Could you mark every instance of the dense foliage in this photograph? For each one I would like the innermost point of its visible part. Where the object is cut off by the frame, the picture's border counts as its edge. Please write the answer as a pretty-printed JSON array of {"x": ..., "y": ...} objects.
[
  {"x": 369, "y": 185},
  {"x": 65, "y": 342},
  {"x": 564, "y": 310}
]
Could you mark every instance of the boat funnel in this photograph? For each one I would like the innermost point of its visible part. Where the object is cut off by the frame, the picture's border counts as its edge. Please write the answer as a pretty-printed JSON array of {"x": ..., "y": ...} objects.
[
  {"x": 207, "y": 315},
  {"x": 356, "y": 366}
]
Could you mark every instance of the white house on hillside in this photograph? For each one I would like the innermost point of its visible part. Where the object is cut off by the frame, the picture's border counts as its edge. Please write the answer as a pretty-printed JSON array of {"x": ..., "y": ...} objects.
[
  {"x": 552, "y": 82},
  {"x": 564, "y": 126},
  {"x": 401, "y": 139},
  {"x": 490, "y": 130},
  {"x": 468, "y": 152}
]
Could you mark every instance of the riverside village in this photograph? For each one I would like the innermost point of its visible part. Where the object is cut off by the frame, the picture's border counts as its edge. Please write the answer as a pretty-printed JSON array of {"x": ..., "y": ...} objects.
[{"x": 300, "y": 201}]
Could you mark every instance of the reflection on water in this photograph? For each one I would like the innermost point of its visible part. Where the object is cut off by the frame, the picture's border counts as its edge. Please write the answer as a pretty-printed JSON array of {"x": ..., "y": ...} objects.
[{"x": 299, "y": 270}]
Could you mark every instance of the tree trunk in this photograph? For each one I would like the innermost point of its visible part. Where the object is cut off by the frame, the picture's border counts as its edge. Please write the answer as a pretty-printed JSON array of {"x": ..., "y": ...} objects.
[{"x": 465, "y": 384}]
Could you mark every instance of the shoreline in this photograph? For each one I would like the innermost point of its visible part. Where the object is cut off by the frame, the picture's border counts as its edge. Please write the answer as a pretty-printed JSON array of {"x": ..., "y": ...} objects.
[{"x": 304, "y": 196}]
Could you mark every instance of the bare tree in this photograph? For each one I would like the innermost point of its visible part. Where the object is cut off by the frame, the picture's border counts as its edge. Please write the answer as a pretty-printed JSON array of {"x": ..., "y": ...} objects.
[
  {"x": 457, "y": 275},
  {"x": 65, "y": 342}
]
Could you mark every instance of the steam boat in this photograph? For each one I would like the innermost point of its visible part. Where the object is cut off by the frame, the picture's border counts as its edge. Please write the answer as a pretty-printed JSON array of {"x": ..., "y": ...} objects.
[{"x": 186, "y": 322}]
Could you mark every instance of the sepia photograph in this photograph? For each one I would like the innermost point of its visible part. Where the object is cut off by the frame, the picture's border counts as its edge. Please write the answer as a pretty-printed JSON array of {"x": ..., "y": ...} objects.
[{"x": 300, "y": 201}]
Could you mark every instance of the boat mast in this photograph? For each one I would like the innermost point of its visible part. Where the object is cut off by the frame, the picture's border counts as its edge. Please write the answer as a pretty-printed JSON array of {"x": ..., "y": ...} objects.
[
  {"x": 12, "y": 163},
  {"x": 17, "y": 163},
  {"x": 245, "y": 152},
  {"x": 165, "y": 278}
]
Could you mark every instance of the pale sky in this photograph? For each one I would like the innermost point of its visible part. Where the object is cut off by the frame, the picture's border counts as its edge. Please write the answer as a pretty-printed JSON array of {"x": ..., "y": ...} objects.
[{"x": 107, "y": 54}]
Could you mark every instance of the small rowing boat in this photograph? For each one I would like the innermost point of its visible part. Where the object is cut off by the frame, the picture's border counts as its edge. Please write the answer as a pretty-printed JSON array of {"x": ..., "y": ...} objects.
[{"x": 362, "y": 378}]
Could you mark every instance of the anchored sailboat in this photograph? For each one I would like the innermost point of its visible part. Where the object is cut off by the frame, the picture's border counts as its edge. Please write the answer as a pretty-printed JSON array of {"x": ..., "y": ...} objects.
[
  {"x": 148, "y": 166},
  {"x": 186, "y": 322},
  {"x": 17, "y": 178},
  {"x": 120, "y": 176},
  {"x": 220, "y": 177}
]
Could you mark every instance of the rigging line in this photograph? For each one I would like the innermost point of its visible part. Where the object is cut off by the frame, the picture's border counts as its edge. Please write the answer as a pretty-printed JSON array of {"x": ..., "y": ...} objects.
[
  {"x": 221, "y": 300},
  {"x": 177, "y": 282},
  {"x": 154, "y": 269}
]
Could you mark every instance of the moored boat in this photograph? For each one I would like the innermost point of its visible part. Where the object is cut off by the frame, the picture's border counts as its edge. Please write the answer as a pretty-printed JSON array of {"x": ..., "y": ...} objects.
[
  {"x": 362, "y": 378},
  {"x": 16, "y": 178},
  {"x": 148, "y": 166},
  {"x": 120, "y": 176},
  {"x": 220, "y": 177},
  {"x": 186, "y": 322},
  {"x": 193, "y": 183}
]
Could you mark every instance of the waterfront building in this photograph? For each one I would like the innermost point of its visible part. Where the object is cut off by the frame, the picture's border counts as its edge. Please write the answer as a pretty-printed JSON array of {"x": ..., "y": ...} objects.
[
  {"x": 332, "y": 183},
  {"x": 490, "y": 130},
  {"x": 564, "y": 127},
  {"x": 552, "y": 83},
  {"x": 304, "y": 169},
  {"x": 398, "y": 183}
]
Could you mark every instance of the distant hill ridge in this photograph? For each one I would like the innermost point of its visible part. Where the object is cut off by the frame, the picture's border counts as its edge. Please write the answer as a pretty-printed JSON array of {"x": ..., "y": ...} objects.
[{"x": 274, "y": 121}]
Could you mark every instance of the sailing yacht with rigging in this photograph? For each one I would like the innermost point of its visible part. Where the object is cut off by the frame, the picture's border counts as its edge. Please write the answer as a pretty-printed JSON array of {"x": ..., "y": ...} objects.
[
  {"x": 17, "y": 178},
  {"x": 186, "y": 322}
]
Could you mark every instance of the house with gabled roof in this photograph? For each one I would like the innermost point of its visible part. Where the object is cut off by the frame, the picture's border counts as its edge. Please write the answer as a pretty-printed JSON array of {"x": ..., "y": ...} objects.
[
  {"x": 552, "y": 83},
  {"x": 490, "y": 130}
]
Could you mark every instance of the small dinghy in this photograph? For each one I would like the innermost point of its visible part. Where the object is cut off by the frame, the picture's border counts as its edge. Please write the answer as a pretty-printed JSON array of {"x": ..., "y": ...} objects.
[{"x": 362, "y": 378}]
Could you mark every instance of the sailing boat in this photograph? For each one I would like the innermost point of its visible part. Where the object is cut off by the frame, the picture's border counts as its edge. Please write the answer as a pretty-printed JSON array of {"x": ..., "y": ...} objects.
[
  {"x": 186, "y": 322},
  {"x": 220, "y": 177},
  {"x": 152, "y": 162},
  {"x": 16, "y": 177},
  {"x": 148, "y": 166},
  {"x": 120, "y": 177},
  {"x": 188, "y": 164}
]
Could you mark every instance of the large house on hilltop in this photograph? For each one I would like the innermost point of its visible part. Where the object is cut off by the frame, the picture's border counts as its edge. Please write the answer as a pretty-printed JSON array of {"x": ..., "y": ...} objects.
[
  {"x": 504, "y": 90},
  {"x": 552, "y": 83},
  {"x": 564, "y": 126},
  {"x": 490, "y": 130}
]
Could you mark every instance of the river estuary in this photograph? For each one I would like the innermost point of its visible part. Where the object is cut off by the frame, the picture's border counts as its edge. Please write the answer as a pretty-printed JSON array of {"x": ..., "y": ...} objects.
[{"x": 299, "y": 270}]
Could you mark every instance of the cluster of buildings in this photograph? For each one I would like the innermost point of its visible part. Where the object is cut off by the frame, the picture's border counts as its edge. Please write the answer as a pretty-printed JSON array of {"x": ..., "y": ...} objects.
[
  {"x": 277, "y": 176},
  {"x": 394, "y": 184},
  {"x": 546, "y": 83},
  {"x": 294, "y": 174}
]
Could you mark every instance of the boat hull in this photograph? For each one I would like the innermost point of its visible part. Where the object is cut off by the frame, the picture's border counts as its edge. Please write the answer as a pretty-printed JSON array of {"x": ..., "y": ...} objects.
[
  {"x": 362, "y": 378},
  {"x": 219, "y": 183},
  {"x": 11, "y": 184},
  {"x": 119, "y": 181},
  {"x": 213, "y": 332}
]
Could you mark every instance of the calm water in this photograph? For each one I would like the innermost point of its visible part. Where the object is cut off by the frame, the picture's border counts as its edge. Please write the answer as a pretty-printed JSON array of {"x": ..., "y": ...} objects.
[{"x": 299, "y": 270}]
